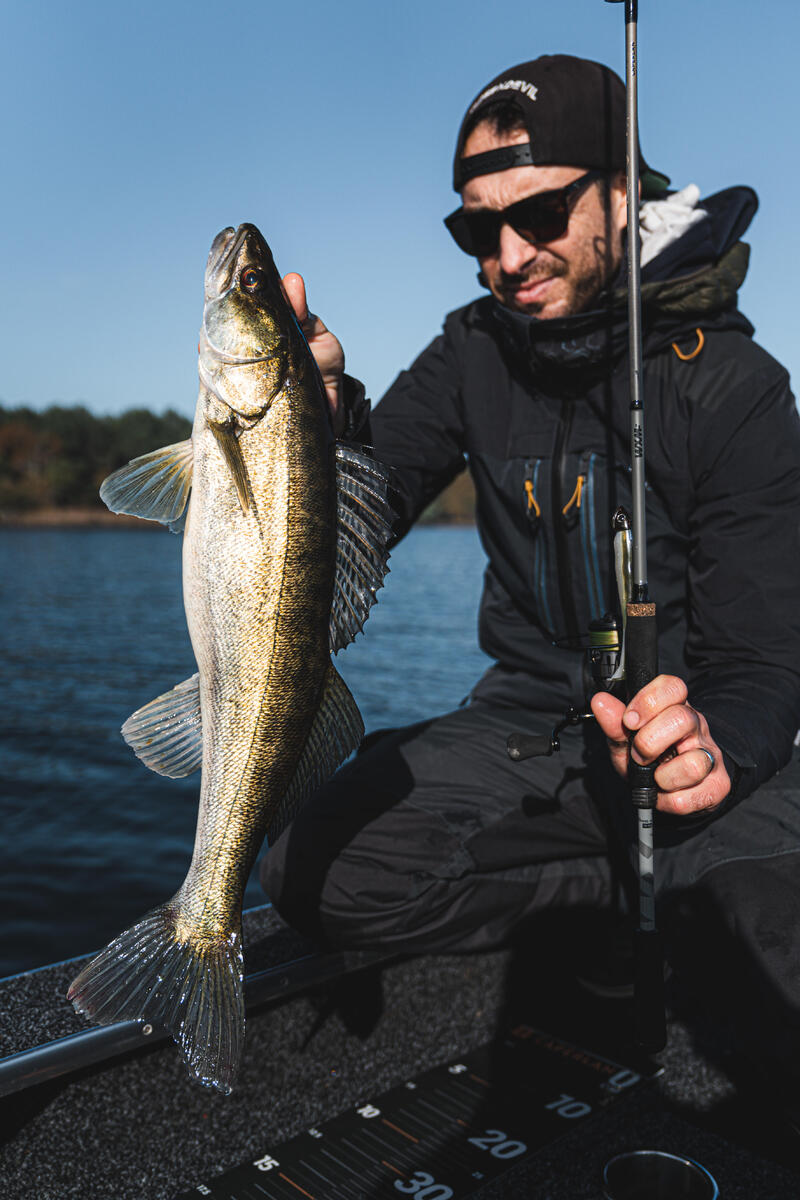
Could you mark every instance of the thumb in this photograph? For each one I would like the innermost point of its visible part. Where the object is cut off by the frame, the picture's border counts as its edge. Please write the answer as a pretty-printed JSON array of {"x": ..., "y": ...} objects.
[
  {"x": 608, "y": 711},
  {"x": 295, "y": 289}
]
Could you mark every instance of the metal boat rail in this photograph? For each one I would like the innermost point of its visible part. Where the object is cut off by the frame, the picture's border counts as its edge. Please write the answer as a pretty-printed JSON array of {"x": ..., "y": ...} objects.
[{"x": 100, "y": 1043}]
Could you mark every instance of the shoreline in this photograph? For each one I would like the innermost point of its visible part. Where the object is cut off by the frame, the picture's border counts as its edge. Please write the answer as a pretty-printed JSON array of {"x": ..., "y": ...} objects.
[
  {"x": 100, "y": 518},
  {"x": 66, "y": 518}
]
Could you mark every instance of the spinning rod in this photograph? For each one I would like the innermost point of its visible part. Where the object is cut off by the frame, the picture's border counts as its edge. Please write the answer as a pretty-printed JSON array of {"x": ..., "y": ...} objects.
[
  {"x": 633, "y": 658},
  {"x": 641, "y": 635}
]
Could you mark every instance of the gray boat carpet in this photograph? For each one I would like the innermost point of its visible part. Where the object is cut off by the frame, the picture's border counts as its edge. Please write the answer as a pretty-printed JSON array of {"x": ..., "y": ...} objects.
[{"x": 138, "y": 1127}]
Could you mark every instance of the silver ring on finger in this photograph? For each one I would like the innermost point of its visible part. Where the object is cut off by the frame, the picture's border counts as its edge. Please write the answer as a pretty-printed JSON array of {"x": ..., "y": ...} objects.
[{"x": 712, "y": 762}]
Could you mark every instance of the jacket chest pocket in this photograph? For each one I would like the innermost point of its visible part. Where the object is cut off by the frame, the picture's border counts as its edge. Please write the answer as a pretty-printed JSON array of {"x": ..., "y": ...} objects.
[
  {"x": 580, "y": 515},
  {"x": 541, "y": 552},
  {"x": 572, "y": 548}
]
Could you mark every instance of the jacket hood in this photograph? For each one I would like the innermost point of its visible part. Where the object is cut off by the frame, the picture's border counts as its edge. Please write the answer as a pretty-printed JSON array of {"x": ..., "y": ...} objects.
[{"x": 693, "y": 281}]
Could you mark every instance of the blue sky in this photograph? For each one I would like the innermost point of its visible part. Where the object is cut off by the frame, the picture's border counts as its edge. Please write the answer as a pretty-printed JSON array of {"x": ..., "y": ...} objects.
[{"x": 134, "y": 133}]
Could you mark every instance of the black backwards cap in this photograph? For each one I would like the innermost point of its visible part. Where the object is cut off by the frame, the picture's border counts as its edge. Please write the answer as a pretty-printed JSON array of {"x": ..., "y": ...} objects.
[{"x": 574, "y": 111}]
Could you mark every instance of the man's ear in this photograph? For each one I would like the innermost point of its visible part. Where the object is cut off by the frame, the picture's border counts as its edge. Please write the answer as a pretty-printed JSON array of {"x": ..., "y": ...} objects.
[{"x": 618, "y": 198}]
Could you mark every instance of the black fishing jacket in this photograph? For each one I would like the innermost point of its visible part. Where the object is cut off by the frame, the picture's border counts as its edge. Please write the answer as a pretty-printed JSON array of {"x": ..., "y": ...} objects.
[{"x": 538, "y": 411}]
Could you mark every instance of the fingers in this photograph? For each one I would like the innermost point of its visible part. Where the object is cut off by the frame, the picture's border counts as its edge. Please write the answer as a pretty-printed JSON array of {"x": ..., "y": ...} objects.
[
  {"x": 668, "y": 728},
  {"x": 662, "y": 692},
  {"x": 663, "y": 728},
  {"x": 313, "y": 327},
  {"x": 685, "y": 771},
  {"x": 295, "y": 290},
  {"x": 326, "y": 348},
  {"x": 609, "y": 713},
  {"x": 704, "y": 785}
]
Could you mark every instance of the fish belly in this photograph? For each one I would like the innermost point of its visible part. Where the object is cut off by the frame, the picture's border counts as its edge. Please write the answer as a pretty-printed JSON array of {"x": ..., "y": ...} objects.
[{"x": 258, "y": 588}]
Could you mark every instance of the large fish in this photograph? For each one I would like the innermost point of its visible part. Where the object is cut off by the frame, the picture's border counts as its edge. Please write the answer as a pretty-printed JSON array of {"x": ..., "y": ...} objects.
[{"x": 284, "y": 548}]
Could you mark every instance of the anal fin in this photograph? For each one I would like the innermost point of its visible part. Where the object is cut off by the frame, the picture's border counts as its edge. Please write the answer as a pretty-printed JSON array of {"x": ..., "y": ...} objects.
[{"x": 167, "y": 733}]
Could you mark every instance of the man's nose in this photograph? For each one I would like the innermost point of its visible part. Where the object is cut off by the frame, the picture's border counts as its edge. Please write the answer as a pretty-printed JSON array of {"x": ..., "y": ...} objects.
[{"x": 515, "y": 252}]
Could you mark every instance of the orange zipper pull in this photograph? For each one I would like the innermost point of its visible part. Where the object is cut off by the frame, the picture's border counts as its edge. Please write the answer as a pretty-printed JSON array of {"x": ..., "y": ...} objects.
[
  {"x": 575, "y": 498},
  {"x": 533, "y": 503}
]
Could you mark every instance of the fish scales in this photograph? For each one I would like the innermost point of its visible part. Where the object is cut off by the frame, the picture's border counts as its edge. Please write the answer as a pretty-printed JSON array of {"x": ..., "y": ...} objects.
[
  {"x": 285, "y": 537},
  {"x": 260, "y": 639}
]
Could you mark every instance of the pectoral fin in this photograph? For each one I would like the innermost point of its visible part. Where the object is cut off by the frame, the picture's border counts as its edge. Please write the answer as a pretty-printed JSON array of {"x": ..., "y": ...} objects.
[
  {"x": 336, "y": 732},
  {"x": 364, "y": 529},
  {"x": 167, "y": 733},
  {"x": 155, "y": 486},
  {"x": 228, "y": 443}
]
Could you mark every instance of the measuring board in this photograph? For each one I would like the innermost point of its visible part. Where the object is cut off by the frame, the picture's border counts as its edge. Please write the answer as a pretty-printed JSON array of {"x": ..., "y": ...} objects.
[{"x": 442, "y": 1135}]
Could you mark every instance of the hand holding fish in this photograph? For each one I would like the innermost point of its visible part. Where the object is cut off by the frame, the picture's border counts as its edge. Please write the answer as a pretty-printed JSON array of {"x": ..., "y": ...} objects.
[
  {"x": 693, "y": 778},
  {"x": 324, "y": 345}
]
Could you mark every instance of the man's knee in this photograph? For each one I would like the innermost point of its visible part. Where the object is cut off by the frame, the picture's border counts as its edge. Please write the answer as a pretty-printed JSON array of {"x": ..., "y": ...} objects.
[{"x": 353, "y": 904}]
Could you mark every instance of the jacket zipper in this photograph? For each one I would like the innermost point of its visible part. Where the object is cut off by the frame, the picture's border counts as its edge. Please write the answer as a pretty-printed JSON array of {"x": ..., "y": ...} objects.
[
  {"x": 559, "y": 493},
  {"x": 588, "y": 530},
  {"x": 534, "y": 514}
]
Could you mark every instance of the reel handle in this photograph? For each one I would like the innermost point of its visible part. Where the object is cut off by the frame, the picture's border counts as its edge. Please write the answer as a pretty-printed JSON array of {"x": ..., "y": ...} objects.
[{"x": 530, "y": 745}]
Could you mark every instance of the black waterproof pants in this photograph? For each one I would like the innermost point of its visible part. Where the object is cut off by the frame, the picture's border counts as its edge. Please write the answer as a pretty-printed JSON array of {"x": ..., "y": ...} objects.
[{"x": 432, "y": 839}]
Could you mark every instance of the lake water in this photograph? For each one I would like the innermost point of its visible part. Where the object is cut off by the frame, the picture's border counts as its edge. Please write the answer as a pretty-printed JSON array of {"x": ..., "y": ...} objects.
[{"x": 92, "y": 627}]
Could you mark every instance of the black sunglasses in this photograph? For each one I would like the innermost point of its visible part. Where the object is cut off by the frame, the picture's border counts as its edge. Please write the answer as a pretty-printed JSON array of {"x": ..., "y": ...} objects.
[{"x": 542, "y": 217}]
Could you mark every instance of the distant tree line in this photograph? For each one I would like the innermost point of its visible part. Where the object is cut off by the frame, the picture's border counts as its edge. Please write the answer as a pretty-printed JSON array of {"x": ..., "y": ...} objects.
[{"x": 59, "y": 457}]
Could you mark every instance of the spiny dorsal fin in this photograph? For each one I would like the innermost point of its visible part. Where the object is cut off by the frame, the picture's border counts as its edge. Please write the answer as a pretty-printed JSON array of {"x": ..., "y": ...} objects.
[
  {"x": 336, "y": 732},
  {"x": 155, "y": 486},
  {"x": 167, "y": 733},
  {"x": 364, "y": 529}
]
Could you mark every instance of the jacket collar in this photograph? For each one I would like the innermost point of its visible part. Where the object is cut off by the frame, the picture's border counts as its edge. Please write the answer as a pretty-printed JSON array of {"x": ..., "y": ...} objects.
[{"x": 694, "y": 280}]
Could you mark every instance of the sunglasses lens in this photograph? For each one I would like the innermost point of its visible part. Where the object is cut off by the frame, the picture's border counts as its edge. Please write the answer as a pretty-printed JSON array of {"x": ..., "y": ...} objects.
[
  {"x": 539, "y": 219},
  {"x": 475, "y": 233}
]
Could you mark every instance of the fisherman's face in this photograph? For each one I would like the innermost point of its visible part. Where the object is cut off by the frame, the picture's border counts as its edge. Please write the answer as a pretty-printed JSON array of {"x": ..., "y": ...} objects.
[{"x": 547, "y": 279}]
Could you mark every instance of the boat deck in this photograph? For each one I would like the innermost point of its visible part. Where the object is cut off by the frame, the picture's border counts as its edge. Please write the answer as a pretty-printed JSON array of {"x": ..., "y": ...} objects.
[{"x": 326, "y": 1034}]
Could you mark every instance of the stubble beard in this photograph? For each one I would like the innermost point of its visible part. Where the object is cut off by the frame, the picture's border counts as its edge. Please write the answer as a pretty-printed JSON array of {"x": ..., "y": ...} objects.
[{"x": 582, "y": 289}]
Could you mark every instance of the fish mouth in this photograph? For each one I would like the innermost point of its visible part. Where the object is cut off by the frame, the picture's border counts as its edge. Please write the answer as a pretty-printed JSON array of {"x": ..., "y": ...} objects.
[
  {"x": 226, "y": 254},
  {"x": 231, "y": 334}
]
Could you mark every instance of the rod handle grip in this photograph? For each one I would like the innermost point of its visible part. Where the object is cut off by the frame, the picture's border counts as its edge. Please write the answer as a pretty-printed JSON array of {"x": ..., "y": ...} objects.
[
  {"x": 650, "y": 1020},
  {"x": 641, "y": 646}
]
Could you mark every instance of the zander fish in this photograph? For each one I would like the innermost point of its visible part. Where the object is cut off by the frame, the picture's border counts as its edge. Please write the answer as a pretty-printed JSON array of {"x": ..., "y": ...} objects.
[{"x": 284, "y": 549}]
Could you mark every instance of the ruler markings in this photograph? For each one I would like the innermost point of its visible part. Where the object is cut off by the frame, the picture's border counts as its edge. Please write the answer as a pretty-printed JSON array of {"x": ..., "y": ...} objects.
[
  {"x": 474, "y": 1095},
  {"x": 402, "y": 1152},
  {"x": 296, "y": 1185},
  {"x": 428, "y": 1128},
  {"x": 347, "y": 1166},
  {"x": 440, "y": 1148},
  {"x": 363, "y": 1153},
  {"x": 414, "y": 1119},
  {"x": 462, "y": 1111},
  {"x": 397, "y": 1128},
  {"x": 447, "y": 1116}
]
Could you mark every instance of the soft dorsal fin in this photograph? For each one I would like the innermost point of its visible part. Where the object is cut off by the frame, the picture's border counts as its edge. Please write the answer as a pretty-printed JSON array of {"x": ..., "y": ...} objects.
[
  {"x": 167, "y": 733},
  {"x": 336, "y": 732},
  {"x": 364, "y": 529},
  {"x": 154, "y": 486}
]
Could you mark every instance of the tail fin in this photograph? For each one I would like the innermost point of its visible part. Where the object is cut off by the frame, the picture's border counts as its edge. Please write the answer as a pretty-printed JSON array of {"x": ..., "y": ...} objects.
[{"x": 156, "y": 972}]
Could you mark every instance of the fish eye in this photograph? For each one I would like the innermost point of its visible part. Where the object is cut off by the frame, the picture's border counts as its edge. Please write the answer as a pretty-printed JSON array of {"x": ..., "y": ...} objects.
[{"x": 251, "y": 279}]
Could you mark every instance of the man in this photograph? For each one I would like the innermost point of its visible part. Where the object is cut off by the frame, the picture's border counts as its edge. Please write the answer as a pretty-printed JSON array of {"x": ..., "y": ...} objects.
[{"x": 432, "y": 838}]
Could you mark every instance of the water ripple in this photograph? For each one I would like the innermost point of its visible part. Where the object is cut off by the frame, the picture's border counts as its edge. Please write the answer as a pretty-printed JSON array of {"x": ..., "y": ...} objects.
[{"x": 92, "y": 627}]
